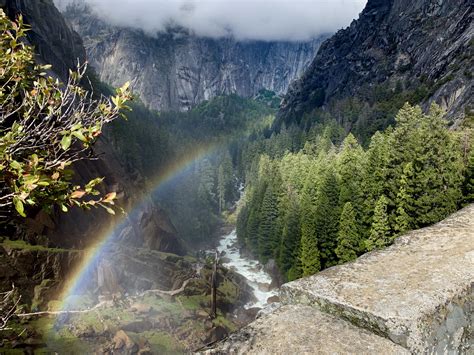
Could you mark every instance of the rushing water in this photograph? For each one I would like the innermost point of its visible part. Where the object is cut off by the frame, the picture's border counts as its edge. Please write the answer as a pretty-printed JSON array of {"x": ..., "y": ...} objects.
[{"x": 251, "y": 269}]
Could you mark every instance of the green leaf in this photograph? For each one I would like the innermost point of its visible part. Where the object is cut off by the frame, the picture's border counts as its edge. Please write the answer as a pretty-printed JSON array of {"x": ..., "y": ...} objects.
[
  {"x": 15, "y": 165},
  {"x": 76, "y": 126},
  {"x": 64, "y": 208},
  {"x": 19, "y": 206},
  {"x": 66, "y": 142},
  {"x": 79, "y": 135}
]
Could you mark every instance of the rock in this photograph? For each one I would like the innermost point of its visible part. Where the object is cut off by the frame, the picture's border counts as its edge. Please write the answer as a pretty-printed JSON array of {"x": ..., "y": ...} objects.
[
  {"x": 32, "y": 269},
  {"x": 272, "y": 268},
  {"x": 272, "y": 307},
  {"x": 84, "y": 332},
  {"x": 417, "y": 292},
  {"x": 392, "y": 42},
  {"x": 47, "y": 27},
  {"x": 138, "y": 326},
  {"x": 141, "y": 308},
  {"x": 107, "y": 280},
  {"x": 176, "y": 70},
  {"x": 264, "y": 287},
  {"x": 273, "y": 299},
  {"x": 202, "y": 314},
  {"x": 299, "y": 329},
  {"x": 122, "y": 341},
  {"x": 215, "y": 334}
]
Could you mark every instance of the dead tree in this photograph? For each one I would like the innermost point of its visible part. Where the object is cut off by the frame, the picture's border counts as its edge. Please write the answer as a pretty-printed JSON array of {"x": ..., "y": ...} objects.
[
  {"x": 214, "y": 286},
  {"x": 8, "y": 306}
]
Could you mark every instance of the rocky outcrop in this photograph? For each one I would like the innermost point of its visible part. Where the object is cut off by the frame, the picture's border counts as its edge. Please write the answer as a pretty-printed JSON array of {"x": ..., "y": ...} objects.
[
  {"x": 295, "y": 329},
  {"x": 396, "y": 42},
  {"x": 417, "y": 295},
  {"x": 177, "y": 70},
  {"x": 37, "y": 272}
]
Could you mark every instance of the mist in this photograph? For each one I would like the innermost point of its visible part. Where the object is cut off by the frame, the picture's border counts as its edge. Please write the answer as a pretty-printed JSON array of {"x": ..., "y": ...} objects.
[{"x": 269, "y": 20}]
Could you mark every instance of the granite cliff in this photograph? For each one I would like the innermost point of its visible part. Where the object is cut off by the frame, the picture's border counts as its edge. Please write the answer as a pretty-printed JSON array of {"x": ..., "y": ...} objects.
[
  {"x": 420, "y": 46},
  {"x": 177, "y": 70},
  {"x": 54, "y": 41}
]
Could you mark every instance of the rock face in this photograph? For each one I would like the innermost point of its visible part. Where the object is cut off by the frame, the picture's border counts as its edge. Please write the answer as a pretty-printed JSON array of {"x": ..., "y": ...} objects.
[
  {"x": 415, "y": 295},
  {"x": 177, "y": 70},
  {"x": 304, "y": 330},
  {"x": 395, "y": 41},
  {"x": 55, "y": 42},
  {"x": 36, "y": 271}
]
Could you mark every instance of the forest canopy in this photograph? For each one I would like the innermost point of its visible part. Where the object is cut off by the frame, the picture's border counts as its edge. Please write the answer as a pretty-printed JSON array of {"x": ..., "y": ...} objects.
[{"x": 332, "y": 201}]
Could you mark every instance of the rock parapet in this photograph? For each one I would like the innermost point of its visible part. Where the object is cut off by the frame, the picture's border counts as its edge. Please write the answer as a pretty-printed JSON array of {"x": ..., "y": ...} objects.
[{"x": 415, "y": 296}]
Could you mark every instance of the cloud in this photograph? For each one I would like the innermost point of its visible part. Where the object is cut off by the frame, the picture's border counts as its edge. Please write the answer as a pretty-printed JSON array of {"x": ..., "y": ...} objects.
[{"x": 244, "y": 19}]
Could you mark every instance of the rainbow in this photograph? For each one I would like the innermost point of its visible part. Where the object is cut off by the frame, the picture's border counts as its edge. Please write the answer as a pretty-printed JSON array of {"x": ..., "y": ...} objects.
[{"x": 80, "y": 276}]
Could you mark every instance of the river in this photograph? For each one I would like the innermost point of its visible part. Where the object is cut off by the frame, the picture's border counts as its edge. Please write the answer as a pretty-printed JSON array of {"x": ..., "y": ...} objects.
[{"x": 251, "y": 269}]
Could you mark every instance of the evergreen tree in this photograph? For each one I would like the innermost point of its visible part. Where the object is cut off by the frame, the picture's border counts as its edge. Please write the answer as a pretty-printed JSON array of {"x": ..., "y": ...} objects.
[
  {"x": 291, "y": 231},
  {"x": 309, "y": 254},
  {"x": 349, "y": 168},
  {"x": 221, "y": 188},
  {"x": 424, "y": 141},
  {"x": 327, "y": 214},
  {"x": 252, "y": 229},
  {"x": 468, "y": 186},
  {"x": 380, "y": 232},
  {"x": 348, "y": 239},
  {"x": 375, "y": 175},
  {"x": 405, "y": 203},
  {"x": 241, "y": 225},
  {"x": 267, "y": 231}
]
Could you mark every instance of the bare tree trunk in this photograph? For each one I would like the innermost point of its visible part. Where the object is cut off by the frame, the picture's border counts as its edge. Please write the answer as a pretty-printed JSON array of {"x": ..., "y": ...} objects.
[{"x": 214, "y": 288}]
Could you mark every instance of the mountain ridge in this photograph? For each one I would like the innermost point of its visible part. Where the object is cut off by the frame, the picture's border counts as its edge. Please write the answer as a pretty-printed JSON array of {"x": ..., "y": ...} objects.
[
  {"x": 177, "y": 70},
  {"x": 394, "y": 44}
]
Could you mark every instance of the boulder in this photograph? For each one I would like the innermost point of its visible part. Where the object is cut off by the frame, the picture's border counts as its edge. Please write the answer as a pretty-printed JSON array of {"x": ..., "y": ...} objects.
[
  {"x": 418, "y": 292},
  {"x": 122, "y": 341},
  {"x": 298, "y": 329}
]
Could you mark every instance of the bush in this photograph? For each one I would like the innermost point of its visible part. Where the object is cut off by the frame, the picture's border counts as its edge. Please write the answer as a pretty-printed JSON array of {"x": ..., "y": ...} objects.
[{"x": 46, "y": 126}]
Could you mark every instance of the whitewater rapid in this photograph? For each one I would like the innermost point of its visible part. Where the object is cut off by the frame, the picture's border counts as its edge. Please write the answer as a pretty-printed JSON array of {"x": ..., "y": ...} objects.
[{"x": 251, "y": 269}]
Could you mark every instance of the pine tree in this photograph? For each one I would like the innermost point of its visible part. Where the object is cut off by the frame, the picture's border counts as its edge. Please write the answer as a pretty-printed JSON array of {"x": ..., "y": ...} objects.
[
  {"x": 309, "y": 254},
  {"x": 423, "y": 140},
  {"x": 327, "y": 214},
  {"x": 380, "y": 231},
  {"x": 468, "y": 185},
  {"x": 267, "y": 232},
  {"x": 348, "y": 239},
  {"x": 241, "y": 225},
  {"x": 291, "y": 231},
  {"x": 375, "y": 175},
  {"x": 252, "y": 229},
  {"x": 404, "y": 202},
  {"x": 221, "y": 188},
  {"x": 349, "y": 168}
]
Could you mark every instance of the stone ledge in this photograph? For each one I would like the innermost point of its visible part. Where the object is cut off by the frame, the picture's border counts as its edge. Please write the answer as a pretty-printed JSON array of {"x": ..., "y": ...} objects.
[
  {"x": 418, "y": 292},
  {"x": 300, "y": 329}
]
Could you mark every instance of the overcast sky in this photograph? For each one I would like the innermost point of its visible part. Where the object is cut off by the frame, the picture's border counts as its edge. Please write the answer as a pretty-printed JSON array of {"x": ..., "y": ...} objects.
[{"x": 244, "y": 19}]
